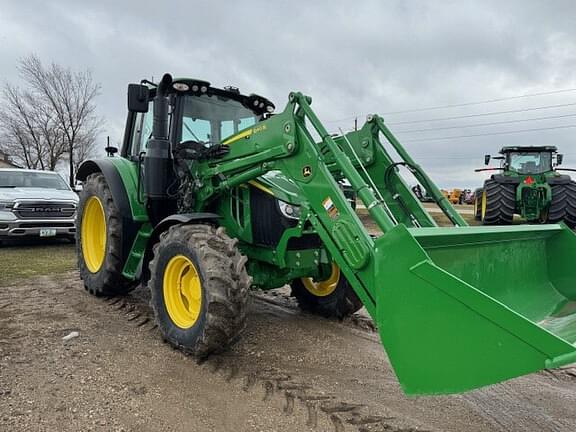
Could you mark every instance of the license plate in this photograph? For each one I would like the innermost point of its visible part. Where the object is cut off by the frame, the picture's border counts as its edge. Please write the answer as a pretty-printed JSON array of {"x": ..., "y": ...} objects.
[{"x": 47, "y": 232}]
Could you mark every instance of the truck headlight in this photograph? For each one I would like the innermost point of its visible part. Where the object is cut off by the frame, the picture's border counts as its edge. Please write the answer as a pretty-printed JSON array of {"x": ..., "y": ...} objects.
[
  {"x": 6, "y": 205},
  {"x": 288, "y": 210}
]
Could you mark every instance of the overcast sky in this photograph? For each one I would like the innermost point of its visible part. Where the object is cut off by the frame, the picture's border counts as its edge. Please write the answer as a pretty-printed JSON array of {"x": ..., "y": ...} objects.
[{"x": 352, "y": 57}]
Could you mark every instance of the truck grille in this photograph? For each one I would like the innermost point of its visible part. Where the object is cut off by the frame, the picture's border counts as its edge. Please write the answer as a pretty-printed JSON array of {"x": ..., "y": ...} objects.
[{"x": 43, "y": 210}]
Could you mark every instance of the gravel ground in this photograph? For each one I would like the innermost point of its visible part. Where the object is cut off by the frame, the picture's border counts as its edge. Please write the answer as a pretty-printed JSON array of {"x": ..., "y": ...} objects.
[{"x": 289, "y": 372}]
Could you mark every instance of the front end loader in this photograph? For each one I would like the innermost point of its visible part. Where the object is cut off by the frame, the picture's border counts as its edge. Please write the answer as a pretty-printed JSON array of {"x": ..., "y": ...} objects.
[{"x": 213, "y": 194}]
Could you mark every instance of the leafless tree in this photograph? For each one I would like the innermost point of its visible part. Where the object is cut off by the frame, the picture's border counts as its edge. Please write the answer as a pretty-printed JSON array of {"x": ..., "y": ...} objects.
[{"x": 52, "y": 119}]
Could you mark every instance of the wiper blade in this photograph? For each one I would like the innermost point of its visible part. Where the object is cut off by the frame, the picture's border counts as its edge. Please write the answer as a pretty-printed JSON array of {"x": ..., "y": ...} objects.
[{"x": 7, "y": 186}]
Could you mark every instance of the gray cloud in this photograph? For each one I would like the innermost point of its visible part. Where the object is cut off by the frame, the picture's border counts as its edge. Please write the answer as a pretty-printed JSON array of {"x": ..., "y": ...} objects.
[{"x": 352, "y": 57}]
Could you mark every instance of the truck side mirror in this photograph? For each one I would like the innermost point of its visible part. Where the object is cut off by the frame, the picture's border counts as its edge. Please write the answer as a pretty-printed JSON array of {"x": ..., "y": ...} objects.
[
  {"x": 138, "y": 96},
  {"x": 559, "y": 159},
  {"x": 486, "y": 159}
]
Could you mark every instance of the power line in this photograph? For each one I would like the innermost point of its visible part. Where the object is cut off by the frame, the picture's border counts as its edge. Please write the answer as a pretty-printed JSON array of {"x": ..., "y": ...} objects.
[
  {"x": 438, "y": 107},
  {"x": 480, "y": 102},
  {"x": 485, "y": 124},
  {"x": 483, "y": 114},
  {"x": 489, "y": 134}
]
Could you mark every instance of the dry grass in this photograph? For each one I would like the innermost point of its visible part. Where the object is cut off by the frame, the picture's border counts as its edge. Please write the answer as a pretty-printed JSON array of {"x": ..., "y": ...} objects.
[{"x": 24, "y": 261}]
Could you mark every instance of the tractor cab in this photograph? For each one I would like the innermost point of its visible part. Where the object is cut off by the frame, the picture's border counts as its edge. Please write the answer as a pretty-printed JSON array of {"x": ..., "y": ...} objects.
[
  {"x": 528, "y": 160},
  {"x": 198, "y": 112}
]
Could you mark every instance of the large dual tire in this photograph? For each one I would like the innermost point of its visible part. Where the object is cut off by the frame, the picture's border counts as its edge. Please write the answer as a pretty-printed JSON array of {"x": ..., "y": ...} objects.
[
  {"x": 332, "y": 298},
  {"x": 99, "y": 240},
  {"x": 199, "y": 289},
  {"x": 498, "y": 203},
  {"x": 563, "y": 204}
]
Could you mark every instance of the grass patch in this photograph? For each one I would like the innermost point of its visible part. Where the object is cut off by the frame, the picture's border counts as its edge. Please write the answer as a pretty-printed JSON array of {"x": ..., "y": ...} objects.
[{"x": 24, "y": 261}]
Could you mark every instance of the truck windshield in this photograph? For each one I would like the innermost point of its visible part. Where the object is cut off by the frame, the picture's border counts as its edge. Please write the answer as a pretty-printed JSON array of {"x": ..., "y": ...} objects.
[
  {"x": 211, "y": 119},
  {"x": 27, "y": 179},
  {"x": 530, "y": 162}
]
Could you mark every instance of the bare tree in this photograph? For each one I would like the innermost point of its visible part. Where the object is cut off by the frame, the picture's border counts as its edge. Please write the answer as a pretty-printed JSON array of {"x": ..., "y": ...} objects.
[
  {"x": 29, "y": 131},
  {"x": 54, "y": 119}
]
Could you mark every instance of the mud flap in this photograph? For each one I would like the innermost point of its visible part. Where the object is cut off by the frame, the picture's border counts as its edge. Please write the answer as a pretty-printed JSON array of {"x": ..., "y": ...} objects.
[{"x": 462, "y": 308}]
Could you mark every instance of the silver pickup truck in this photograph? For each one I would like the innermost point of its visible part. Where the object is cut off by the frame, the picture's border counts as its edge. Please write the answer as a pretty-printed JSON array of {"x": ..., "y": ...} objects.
[{"x": 35, "y": 203}]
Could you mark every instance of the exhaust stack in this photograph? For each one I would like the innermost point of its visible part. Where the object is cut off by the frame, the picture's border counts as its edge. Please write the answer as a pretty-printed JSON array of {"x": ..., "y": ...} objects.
[{"x": 157, "y": 161}]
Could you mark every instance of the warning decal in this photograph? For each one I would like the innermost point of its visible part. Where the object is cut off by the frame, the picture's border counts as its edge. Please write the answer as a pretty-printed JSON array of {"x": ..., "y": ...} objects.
[{"x": 330, "y": 208}]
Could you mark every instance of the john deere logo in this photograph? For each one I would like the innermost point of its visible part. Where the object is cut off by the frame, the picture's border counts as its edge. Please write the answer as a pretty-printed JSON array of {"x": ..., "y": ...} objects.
[{"x": 306, "y": 171}]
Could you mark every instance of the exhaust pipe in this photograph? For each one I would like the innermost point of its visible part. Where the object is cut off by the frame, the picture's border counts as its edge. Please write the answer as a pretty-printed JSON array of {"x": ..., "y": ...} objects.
[{"x": 157, "y": 169}]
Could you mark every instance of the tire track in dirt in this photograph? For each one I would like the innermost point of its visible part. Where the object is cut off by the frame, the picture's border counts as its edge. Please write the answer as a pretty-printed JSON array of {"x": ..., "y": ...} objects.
[
  {"x": 312, "y": 398},
  {"x": 274, "y": 383}
]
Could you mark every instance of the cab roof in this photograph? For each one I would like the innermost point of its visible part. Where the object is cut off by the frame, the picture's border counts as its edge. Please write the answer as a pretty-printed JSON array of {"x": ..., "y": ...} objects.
[
  {"x": 256, "y": 103},
  {"x": 528, "y": 149}
]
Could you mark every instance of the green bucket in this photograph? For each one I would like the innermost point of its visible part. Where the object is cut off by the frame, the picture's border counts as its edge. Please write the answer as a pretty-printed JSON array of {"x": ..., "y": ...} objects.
[{"x": 460, "y": 308}]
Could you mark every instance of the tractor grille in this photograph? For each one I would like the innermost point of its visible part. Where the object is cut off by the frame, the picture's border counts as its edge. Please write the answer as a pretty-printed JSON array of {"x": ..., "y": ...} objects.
[{"x": 43, "y": 210}]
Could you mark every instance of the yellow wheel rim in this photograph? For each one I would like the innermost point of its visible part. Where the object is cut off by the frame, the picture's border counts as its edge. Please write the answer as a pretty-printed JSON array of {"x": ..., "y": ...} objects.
[
  {"x": 326, "y": 287},
  {"x": 475, "y": 206},
  {"x": 182, "y": 291},
  {"x": 483, "y": 205},
  {"x": 93, "y": 232}
]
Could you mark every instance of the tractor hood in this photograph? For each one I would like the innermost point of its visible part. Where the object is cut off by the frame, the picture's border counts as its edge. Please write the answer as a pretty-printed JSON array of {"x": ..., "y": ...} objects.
[{"x": 277, "y": 184}]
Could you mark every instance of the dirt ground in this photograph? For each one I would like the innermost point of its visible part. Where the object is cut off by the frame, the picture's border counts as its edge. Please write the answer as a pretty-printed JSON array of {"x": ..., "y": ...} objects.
[{"x": 289, "y": 372}]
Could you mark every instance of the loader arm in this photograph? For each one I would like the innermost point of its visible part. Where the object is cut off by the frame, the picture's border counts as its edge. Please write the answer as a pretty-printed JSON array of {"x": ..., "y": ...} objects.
[{"x": 457, "y": 308}]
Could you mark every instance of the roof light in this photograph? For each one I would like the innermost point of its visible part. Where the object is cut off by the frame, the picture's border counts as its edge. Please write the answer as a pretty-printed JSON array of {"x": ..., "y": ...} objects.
[
  {"x": 180, "y": 86},
  {"x": 203, "y": 89}
]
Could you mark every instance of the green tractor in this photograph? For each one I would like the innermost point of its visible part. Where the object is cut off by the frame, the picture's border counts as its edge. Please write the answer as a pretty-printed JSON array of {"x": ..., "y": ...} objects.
[
  {"x": 529, "y": 185},
  {"x": 213, "y": 195}
]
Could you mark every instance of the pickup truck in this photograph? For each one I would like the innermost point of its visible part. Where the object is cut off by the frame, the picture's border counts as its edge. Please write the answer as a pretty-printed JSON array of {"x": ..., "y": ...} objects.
[{"x": 36, "y": 204}]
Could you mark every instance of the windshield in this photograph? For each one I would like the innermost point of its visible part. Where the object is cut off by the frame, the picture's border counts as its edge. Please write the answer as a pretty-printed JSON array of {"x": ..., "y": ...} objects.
[
  {"x": 211, "y": 119},
  {"x": 24, "y": 179},
  {"x": 530, "y": 162}
]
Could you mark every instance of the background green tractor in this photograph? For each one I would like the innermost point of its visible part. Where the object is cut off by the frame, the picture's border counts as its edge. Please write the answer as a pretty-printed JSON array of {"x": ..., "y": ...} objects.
[
  {"x": 213, "y": 195},
  {"x": 528, "y": 185}
]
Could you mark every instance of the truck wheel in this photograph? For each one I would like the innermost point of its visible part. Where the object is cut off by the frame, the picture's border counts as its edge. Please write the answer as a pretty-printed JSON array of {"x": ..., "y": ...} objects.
[
  {"x": 498, "y": 203},
  {"x": 563, "y": 205},
  {"x": 99, "y": 240},
  {"x": 199, "y": 288},
  {"x": 478, "y": 204},
  {"x": 331, "y": 298}
]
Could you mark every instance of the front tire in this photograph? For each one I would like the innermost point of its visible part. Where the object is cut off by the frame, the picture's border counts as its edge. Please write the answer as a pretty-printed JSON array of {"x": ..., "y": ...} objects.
[
  {"x": 199, "y": 289},
  {"x": 331, "y": 298},
  {"x": 498, "y": 203},
  {"x": 99, "y": 240}
]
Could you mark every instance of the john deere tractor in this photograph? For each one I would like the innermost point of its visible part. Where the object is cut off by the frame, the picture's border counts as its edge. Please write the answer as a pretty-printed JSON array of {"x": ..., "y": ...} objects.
[
  {"x": 213, "y": 194},
  {"x": 528, "y": 185}
]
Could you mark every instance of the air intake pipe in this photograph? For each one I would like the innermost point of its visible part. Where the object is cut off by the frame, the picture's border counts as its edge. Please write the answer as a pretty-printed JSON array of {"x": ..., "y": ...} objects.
[{"x": 157, "y": 172}]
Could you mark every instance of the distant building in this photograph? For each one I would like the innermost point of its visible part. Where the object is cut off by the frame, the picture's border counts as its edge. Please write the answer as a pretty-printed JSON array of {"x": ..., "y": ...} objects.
[{"x": 5, "y": 161}]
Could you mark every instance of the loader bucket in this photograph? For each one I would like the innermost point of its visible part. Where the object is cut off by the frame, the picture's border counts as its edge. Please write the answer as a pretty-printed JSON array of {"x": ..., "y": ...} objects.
[{"x": 461, "y": 308}]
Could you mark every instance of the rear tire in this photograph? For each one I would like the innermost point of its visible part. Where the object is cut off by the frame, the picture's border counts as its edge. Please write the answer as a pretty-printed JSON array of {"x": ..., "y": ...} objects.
[
  {"x": 498, "y": 203},
  {"x": 340, "y": 303},
  {"x": 203, "y": 309},
  {"x": 99, "y": 250},
  {"x": 563, "y": 204}
]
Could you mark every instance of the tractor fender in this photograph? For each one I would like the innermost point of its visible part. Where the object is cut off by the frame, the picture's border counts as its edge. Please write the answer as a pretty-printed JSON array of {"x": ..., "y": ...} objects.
[
  {"x": 164, "y": 225},
  {"x": 502, "y": 179},
  {"x": 113, "y": 179},
  {"x": 120, "y": 196},
  {"x": 557, "y": 180}
]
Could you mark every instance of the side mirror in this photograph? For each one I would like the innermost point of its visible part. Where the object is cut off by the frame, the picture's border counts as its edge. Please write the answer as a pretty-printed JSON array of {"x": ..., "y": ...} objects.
[
  {"x": 559, "y": 159},
  {"x": 486, "y": 159},
  {"x": 138, "y": 96}
]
